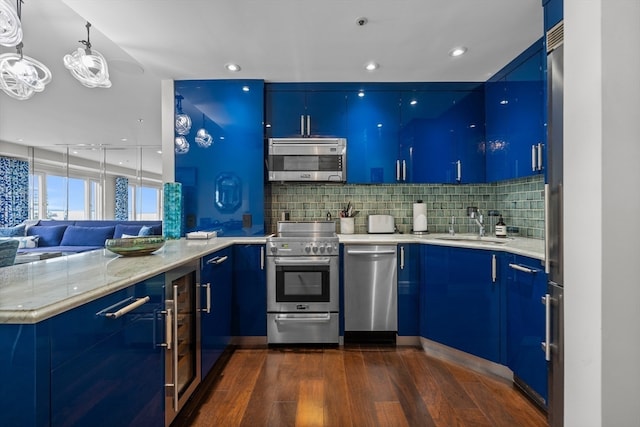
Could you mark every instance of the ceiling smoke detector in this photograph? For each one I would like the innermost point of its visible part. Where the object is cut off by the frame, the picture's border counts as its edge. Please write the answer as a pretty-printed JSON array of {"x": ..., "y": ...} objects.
[{"x": 362, "y": 21}]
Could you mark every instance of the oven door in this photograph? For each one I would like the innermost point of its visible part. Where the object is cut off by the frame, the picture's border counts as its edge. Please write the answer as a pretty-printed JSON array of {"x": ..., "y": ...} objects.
[{"x": 302, "y": 284}]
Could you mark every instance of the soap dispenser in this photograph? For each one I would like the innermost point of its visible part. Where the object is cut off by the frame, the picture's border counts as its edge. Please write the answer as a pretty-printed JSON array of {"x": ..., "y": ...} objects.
[{"x": 501, "y": 228}]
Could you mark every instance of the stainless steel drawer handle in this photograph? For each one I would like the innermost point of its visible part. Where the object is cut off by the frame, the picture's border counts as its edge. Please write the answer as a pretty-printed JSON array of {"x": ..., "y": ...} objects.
[
  {"x": 217, "y": 260},
  {"x": 523, "y": 269},
  {"x": 126, "y": 309},
  {"x": 546, "y": 345}
]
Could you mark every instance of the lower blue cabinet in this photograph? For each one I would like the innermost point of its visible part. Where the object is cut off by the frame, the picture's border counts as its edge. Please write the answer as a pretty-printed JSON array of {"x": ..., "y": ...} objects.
[
  {"x": 215, "y": 316},
  {"x": 107, "y": 370},
  {"x": 249, "y": 296},
  {"x": 526, "y": 285},
  {"x": 409, "y": 290},
  {"x": 461, "y": 300}
]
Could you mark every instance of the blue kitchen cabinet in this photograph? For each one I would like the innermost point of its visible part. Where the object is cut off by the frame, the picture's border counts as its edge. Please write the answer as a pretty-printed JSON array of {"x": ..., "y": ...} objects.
[
  {"x": 553, "y": 13},
  {"x": 25, "y": 366},
  {"x": 296, "y": 110},
  {"x": 462, "y": 298},
  {"x": 441, "y": 135},
  {"x": 372, "y": 148},
  {"x": 409, "y": 290},
  {"x": 223, "y": 184},
  {"x": 515, "y": 117},
  {"x": 526, "y": 284},
  {"x": 105, "y": 370},
  {"x": 216, "y": 284},
  {"x": 249, "y": 296}
]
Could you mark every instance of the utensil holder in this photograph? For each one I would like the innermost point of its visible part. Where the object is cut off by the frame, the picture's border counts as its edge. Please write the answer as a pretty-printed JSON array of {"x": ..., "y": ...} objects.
[{"x": 347, "y": 225}]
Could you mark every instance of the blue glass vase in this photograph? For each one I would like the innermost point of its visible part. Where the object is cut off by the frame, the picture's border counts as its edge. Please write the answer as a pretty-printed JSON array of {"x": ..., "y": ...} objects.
[{"x": 172, "y": 215}]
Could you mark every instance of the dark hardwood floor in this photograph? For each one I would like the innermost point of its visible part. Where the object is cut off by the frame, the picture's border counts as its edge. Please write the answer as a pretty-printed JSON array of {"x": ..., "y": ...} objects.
[{"x": 356, "y": 385}]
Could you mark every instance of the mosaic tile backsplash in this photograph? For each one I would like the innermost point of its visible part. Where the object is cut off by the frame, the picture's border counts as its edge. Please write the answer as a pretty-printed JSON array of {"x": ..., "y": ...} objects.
[{"x": 519, "y": 201}]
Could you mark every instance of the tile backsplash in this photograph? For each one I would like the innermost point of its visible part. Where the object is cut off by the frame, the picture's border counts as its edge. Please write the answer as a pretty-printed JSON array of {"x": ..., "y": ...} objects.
[{"x": 520, "y": 201}]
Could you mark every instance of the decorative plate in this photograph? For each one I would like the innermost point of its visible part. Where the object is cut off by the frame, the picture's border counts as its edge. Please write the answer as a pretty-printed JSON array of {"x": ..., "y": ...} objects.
[{"x": 135, "y": 246}]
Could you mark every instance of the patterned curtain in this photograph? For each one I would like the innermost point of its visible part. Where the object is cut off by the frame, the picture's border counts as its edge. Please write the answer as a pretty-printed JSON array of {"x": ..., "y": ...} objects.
[{"x": 14, "y": 191}]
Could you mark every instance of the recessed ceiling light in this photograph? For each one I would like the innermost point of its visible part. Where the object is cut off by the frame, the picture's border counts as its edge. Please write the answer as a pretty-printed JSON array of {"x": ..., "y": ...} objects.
[
  {"x": 245, "y": 88},
  {"x": 457, "y": 51},
  {"x": 232, "y": 67},
  {"x": 371, "y": 66},
  {"x": 361, "y": 94}
]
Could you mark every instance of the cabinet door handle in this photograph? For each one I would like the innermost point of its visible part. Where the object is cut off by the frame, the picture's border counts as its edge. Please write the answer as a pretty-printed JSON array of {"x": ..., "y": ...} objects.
[
  {"x": 207, "y": 308},
  {"x": 523, "y": 268},
  {"x": 262, "y": 258},
  {"x": 404, "y": 170},
  {"x": 168, "y": 327},
  {"x": 126, "y": 309},
  {"x": 546, "y": 345},
  {"x": 308, "y": 125},
  {"x": 540, "y": 156},
  {"x": 458, "y": 171},
  {"x": 401, "y": 257},
  {"x": 494, "y": 268},
  {"x": 217, "y": 260},
  {"x": 534, "y": 158},
  {"x": 397, "y": 170},
  {"x": 302, "y": 125}
]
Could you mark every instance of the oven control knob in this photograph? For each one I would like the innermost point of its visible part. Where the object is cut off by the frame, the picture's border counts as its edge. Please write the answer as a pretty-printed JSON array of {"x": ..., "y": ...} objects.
[
  {"x": 307, "y": 249},
  {"x": 274, "y": 249},
  {"x": 315, "y": 249},
  {"x": 329, "y": 249},
  {"x": 321, "y": 249}
]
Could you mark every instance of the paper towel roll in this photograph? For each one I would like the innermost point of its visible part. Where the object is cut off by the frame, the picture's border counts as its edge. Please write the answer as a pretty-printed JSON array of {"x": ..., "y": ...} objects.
[{"x": 419, "y": 216}]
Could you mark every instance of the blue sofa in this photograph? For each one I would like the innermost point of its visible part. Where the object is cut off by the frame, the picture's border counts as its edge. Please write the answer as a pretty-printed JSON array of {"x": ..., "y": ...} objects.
[{"x": 82, "y": 235}]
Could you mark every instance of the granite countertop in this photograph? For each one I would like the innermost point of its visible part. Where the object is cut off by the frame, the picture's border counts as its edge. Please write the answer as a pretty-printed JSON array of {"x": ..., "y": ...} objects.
[{"x": 35, "y": 291}]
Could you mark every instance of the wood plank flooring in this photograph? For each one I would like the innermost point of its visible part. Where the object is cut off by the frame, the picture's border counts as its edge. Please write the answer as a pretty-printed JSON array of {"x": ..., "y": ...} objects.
[{"x": 357, "y": 385}]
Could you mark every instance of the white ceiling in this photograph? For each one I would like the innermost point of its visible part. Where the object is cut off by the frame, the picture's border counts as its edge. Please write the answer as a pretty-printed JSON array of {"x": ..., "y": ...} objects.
[{"x": 145, "y": 41}]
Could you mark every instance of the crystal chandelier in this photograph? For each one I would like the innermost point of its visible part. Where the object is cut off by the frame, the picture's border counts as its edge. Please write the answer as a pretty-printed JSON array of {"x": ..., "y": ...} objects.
[
  {"x": 20, "y": 76},
  {"x": 10, "y": 27},
  {"x": 88, "y": 66},
  {"x": 203, "y": 137},
  {"x": 181, "y": 145}
]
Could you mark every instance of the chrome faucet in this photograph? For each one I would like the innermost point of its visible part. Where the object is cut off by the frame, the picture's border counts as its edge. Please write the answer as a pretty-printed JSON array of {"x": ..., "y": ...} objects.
[{"x": 477, "y": 216}]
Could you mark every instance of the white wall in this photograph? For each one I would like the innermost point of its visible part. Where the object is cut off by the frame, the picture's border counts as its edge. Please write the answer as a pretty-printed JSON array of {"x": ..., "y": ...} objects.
[{"x": 602, "y": 212}]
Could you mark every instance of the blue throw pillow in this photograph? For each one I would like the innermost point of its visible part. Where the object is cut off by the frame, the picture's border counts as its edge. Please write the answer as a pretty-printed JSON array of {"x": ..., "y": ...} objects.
[
  {"x": 50, "y": 235},
  {"x": 130, "y": 229},
  {"x": 145, "y": 231},
  {"x": 86, "y": 236},
  {"x": 16, "y": 231}
]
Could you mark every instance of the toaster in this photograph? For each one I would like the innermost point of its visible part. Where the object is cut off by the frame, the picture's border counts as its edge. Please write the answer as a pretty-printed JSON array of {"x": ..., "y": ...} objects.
[{"x": 381, "y": 224}]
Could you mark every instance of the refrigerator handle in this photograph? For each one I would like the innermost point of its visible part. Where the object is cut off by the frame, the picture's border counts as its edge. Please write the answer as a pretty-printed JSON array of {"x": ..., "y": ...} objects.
[
  {"x": 547, "y": 262},
  {"x": 546, "y": 345}
]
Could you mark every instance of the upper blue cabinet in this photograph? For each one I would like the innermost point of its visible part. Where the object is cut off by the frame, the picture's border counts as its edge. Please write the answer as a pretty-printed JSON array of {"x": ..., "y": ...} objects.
[
  {"x": 373, "y": 128},
  {"x": 295, "y": 110},
  {"x": 222, "y": 183},
  {"x": 515, "y": 117},
  {"x": 441, "y": 135},
  {"x": 553, "y": 12}
]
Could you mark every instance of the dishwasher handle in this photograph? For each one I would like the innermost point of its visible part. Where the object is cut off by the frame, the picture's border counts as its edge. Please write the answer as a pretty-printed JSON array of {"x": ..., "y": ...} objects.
[{"x": 365, "y": 252}]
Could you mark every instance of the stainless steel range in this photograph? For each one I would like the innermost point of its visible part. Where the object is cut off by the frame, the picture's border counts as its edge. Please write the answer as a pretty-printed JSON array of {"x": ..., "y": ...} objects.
[{"x": 302, "y": 283}]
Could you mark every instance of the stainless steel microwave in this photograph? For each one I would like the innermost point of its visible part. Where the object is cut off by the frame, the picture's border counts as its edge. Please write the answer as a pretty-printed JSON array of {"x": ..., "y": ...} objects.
[{"x": 307, "y": 159}]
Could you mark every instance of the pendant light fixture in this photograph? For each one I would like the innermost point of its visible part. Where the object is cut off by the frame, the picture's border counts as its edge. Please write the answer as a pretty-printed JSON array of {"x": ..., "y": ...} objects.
[
  {"x": 203, "y": 137},
  {"x": 10, "y": 27},
  {"x": 181, "y": 145},
  {"x": 20, "y": 75},
  {"x": 88, "y": 66},
  {"x": 183, "y": 121}
]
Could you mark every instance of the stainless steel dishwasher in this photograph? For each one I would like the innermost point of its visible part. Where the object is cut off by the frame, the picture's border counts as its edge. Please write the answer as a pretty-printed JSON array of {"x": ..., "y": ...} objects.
[{"x": 370, "y": 289}]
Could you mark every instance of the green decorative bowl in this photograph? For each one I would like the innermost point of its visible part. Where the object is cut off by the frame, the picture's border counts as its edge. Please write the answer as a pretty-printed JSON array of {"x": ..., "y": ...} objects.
[{"x": 135, "y": 246}]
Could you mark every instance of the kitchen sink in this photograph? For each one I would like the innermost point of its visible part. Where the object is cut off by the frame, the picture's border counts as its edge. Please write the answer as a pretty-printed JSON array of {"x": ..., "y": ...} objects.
[{"x": 474, "y": 238}]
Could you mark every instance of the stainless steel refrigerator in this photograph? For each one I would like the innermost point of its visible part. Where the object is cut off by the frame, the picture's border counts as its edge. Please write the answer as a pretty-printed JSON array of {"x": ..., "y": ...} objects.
[{"x": 553, "y": 300}]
